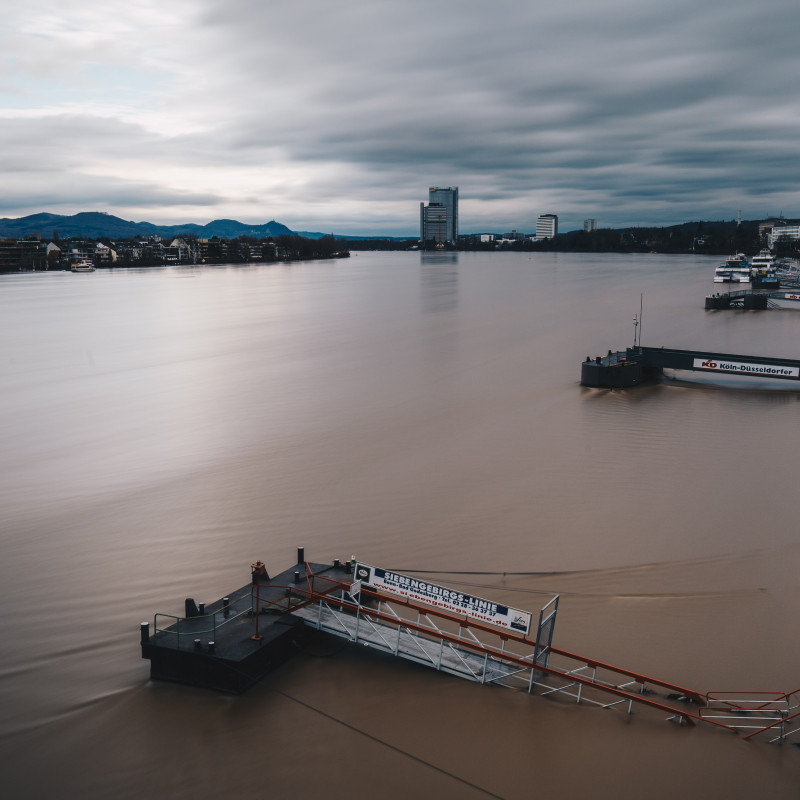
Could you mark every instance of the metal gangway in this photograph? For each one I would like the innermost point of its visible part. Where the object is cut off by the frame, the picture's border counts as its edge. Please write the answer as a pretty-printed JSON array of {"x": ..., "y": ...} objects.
[{"x": 478, "y": 652}]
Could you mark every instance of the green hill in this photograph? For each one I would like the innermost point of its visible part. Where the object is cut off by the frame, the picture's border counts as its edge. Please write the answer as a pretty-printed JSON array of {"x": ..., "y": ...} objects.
[{"x": 96, "y": 224}]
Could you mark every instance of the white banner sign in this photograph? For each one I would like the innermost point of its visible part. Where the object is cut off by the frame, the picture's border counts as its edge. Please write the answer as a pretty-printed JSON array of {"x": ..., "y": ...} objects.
[
  {"x": 445, "y": 599},
  {"x": 791, "y": 297},
  {"x": 767, "y": 370}
]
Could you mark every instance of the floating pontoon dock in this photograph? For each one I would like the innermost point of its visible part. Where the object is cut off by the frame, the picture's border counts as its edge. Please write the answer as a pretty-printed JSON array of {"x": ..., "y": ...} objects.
[
  {"x": 231, "y": 644},
  {"x": 638, "y": 365}
]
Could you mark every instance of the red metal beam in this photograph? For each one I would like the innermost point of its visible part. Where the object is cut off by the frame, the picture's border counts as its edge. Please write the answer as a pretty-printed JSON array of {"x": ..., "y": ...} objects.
[
  {"x": 465, "y": 643},
  {"x": 772, "y": 725},
  {"x": 694, "y": 696}
]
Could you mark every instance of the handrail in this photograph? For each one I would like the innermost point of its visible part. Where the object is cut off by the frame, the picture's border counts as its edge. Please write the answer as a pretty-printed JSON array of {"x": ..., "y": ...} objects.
[
  {"x": 693, "y": 695},
  {"x": 213, "y": 616},
  {"x": 452, "y": 639},
  {"x": 781, "y": 721}
]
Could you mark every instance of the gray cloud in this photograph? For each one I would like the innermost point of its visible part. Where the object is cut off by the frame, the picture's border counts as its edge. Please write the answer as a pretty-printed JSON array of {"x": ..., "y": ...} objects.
[{"x": 340, "y": 115}]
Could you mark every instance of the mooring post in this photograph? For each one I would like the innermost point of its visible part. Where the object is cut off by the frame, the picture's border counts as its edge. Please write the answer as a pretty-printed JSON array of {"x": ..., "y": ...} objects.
[
  {"x": 144, "y": 631},
  {"x": 257, "y": 570},
  {"x": 226, "y": 606},
  {"x": 301, "y": 555}
]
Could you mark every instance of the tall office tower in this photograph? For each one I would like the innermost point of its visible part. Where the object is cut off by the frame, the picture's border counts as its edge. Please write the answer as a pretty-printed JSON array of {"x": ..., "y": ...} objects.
[
  {"x": 546, "y": 226},
  {"x": 438, "y": 221},
  {"x": 590, "y": 225}
]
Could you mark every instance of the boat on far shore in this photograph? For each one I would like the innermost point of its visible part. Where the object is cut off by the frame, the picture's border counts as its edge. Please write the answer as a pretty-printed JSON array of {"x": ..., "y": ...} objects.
[
  {"x": 764, "y": 262},
  {"x": 84, "y": 265},
  {"x": 736, "y": 269}
]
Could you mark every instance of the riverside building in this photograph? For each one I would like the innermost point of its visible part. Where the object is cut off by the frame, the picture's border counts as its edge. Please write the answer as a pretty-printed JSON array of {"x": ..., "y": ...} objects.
[
  {"x": 438, "y": 221},
  {"x": 546, "y": 226},
  {"x": 787, "y": 233}
]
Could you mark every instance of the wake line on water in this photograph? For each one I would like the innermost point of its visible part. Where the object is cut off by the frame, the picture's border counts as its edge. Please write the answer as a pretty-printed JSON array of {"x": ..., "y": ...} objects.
[
  {"x": 568, "y": 572},
  {"x": 68, "y": 712},
  {"x": 686, "y": 563},
  {"x": 614, "y": 595}
]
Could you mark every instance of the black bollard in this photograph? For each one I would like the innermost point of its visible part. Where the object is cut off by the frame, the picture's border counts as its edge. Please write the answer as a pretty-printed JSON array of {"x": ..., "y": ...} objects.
[
  {"x": 197, "y": 644},
  {"x": 190, "y": 608},
  {"x": 226, "y": 606},
  {"x": 301, "y": 555},
  {"x": 144, "y": 631},
  {"x": 211, "y": 648},
  {"x": 201, "y": 609},
  {"x": 297, "y": 576}
]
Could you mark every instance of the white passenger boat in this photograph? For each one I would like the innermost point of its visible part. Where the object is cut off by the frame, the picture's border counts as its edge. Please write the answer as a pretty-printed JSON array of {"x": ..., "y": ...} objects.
[
  {"x": 764, "y": 262},
  {"x": 84, "y": 265},
  {"x": 736, "y": 269}
]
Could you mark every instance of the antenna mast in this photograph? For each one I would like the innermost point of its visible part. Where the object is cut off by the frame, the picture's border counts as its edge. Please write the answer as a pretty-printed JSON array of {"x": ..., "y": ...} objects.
[{"x": 641, "y": 309}]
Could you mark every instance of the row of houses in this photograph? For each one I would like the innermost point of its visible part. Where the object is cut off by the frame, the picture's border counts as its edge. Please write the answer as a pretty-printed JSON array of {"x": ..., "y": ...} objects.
[{"x": 34, "y": 254}]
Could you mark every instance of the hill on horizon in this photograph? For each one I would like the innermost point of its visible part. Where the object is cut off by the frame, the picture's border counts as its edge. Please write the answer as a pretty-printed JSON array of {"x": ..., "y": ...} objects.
[{"x": 96, "y": 224}]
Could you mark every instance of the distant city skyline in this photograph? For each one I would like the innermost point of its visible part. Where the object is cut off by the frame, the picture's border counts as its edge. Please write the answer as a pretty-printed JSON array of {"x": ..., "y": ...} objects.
[
  {"x": 95, "y": 224},
  {"x": 331, "y": 119}
]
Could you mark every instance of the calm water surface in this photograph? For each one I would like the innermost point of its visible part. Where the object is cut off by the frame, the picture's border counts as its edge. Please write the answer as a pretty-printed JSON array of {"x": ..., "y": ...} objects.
[{"x": 163, "y": 429}]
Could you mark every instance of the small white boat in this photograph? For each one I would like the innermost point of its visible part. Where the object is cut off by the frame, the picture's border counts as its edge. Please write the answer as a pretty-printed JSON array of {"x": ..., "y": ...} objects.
[{"x": 84, "y": 265}]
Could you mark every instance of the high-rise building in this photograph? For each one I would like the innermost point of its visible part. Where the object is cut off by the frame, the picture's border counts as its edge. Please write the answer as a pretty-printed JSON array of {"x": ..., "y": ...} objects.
[
  {"x": 547, "y": 226},
  {"x": 438, "y": 221},
  {"x": 590, "y": 225}
]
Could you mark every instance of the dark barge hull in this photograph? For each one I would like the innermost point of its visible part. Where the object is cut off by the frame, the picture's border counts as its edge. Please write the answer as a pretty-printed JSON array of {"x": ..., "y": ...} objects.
[
  {"x": 231, "y": 644},
  {"x": 282, "y": 639},
  {"x": 617, "y": 371}
]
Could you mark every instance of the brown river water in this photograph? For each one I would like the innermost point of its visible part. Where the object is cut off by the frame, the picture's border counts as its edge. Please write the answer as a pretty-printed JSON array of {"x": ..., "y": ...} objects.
[{"x": 163, "y": 429}]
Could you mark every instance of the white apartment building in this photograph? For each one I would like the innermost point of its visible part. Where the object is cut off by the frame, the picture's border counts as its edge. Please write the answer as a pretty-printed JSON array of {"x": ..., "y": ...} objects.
[
  {"x": 791, "y": 232},
  {"x": 546, "y": 226}
]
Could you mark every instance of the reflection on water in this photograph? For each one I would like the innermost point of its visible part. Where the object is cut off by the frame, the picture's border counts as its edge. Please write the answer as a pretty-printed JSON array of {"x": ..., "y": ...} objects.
[
  {"x": 439, "y": 280},
  {"x": 423, "y": 413}
]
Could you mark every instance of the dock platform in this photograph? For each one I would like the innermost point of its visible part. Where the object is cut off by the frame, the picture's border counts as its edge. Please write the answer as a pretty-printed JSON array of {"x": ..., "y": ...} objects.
[{"x": 232, "y": 643}]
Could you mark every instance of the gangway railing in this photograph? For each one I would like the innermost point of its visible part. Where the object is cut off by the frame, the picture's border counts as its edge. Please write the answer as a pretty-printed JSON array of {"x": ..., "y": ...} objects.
[
  {"x": 478, "y": 652},
  {"x": 755, "y": 713},
  {"x": 452, "y": 632},
  {"x": 470, "y": 649}
]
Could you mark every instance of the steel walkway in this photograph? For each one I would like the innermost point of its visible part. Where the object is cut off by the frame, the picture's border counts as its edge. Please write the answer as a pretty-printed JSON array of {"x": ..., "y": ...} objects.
[{"x": 461, "y": 646}]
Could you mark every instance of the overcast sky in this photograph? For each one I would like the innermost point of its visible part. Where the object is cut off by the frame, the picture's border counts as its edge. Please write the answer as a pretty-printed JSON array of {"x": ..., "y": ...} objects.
[{"x": 338, "y": 116}]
